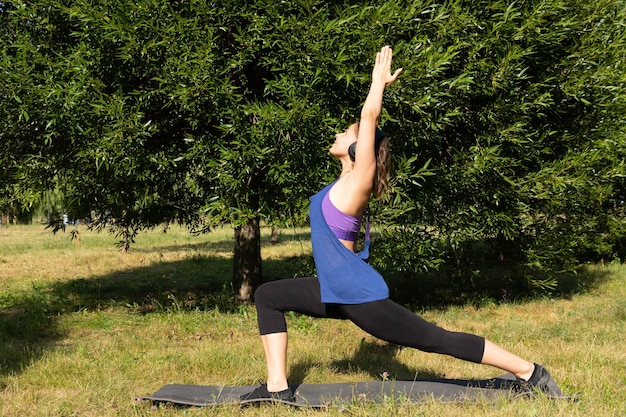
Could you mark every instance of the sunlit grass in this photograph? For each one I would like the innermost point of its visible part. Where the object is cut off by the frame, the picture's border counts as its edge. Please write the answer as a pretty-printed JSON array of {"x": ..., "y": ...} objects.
[{"x": 84, "y": 330}]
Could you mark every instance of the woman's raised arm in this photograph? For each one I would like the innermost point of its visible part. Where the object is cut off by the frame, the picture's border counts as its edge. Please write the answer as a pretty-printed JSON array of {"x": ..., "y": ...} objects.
[{"x": 365, "y": 161}]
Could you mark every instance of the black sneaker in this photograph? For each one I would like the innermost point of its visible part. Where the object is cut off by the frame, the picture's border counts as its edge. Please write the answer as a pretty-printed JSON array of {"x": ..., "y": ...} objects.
[
  {"x": 541, "y": 381},
  {"x": 262, "y": 394}
]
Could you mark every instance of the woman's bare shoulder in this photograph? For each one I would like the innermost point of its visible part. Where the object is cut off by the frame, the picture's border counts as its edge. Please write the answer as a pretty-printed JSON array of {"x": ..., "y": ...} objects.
[{"x": 348, "y": 195}]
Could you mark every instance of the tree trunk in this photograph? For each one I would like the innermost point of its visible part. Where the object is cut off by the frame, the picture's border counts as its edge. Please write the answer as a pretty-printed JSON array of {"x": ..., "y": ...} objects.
[
  {"x": 275, "y": 237},
  {"x": 247, "y": 260}
]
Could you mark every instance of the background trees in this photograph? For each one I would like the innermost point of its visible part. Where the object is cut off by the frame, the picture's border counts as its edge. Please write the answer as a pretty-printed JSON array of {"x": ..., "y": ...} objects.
[
  {"x": 520, "y": 120},
  {"x": 507, "y": 124}
]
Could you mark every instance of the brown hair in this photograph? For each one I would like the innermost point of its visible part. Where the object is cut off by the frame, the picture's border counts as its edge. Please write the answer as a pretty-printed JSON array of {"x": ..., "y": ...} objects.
[{"x": 383, "y": 168}]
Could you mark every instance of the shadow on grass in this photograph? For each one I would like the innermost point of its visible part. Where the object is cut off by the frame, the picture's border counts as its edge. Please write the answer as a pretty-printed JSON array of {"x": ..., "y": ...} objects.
[
  {"x": 27, "y": 329},
  {"x": 494, "y": 285},
  {"x": 378, "y": 360},
  {"x": 29, "y": 326},
  {"x": 199, "y": 282}
]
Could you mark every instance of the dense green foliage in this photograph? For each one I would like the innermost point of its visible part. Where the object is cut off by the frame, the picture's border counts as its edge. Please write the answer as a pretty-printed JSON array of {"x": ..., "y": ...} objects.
[
  {"x": 518, "y": 109},
  {"x": 507, "y": 122}
]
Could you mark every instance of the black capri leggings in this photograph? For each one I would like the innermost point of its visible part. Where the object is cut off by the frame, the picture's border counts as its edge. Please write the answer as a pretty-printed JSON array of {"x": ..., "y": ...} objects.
[{"x": 383, "y": 319}]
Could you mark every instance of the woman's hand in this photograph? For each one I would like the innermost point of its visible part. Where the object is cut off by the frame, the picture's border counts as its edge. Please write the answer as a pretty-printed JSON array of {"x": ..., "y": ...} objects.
[{"x": 382, "y": 67}]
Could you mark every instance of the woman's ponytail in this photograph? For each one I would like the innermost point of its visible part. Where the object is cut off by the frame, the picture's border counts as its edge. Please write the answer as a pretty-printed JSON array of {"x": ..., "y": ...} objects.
[{"x": 383, "y": 168}]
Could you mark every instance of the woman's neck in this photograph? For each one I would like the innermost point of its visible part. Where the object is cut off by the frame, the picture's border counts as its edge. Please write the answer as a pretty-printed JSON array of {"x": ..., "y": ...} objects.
[{"x": 346, "y": 168}]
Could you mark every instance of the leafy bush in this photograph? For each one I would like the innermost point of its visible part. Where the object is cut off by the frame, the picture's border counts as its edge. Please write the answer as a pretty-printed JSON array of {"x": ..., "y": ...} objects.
[{"x": 514, "y": 109}]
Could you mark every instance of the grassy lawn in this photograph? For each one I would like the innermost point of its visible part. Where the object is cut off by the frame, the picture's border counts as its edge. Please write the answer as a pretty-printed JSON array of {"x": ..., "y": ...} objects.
[{"x": 84, "y": 330}]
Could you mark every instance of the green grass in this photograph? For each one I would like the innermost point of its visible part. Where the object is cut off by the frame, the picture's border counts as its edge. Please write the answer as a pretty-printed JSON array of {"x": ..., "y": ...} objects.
[{"x": 84, "y": 330}]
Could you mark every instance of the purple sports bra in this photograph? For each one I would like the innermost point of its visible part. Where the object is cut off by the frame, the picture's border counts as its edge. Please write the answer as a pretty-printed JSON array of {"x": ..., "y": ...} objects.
[{"x": 344, "y": 226}]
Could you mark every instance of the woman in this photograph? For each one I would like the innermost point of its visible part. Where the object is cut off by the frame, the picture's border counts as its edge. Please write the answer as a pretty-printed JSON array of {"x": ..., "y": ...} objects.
[{"x": 349, "y": 288}]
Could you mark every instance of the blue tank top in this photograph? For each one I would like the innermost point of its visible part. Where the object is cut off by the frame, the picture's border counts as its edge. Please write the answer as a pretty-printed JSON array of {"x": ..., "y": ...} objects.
[{"x": 344, "y": 277}]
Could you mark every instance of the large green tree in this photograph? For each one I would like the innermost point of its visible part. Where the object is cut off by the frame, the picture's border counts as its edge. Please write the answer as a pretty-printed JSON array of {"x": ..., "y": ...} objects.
[
  {"x": 206, "y": 113},
  {"x": 506, "y": 124}
]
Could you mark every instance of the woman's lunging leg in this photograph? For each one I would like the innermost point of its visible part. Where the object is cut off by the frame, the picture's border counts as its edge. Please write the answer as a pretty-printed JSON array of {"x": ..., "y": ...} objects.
[
  {"x": 272, "y": 299},
  {"x": 391, "y": 322}
]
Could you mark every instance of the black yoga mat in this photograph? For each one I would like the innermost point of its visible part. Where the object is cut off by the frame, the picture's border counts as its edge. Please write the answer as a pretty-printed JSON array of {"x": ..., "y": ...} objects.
[{"x": 335, "y": 394}]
